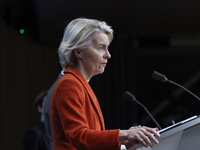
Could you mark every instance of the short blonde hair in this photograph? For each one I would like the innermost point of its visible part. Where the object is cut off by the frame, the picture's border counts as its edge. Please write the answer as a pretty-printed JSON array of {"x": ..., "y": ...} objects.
[{"x": 79, "y": 34}]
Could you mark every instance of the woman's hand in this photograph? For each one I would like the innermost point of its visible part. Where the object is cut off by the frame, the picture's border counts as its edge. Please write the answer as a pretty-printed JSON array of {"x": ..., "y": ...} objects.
[{"x": 142, "y": 134}]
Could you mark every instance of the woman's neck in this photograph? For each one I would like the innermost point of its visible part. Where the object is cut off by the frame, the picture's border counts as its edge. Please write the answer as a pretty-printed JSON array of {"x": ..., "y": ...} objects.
[{"x": 82, "y": 71}]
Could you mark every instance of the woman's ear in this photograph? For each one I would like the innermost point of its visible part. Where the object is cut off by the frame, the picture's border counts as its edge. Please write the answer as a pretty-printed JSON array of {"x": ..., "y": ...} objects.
[{"x": 78, "y": 53}]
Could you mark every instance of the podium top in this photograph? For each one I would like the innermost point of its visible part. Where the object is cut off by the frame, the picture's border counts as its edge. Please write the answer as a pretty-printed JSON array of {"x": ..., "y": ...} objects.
[
  {"x": 175, "y": 128},
  {"x": 177, "y": 124}
]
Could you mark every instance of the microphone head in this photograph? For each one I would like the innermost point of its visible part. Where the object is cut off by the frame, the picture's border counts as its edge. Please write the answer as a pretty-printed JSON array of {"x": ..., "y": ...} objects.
[
  {"x": 160, "y": 77},
  {"x": 129, "y": 96}
]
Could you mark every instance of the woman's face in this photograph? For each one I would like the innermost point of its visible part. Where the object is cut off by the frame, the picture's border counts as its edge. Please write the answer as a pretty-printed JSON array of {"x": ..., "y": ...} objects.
[{"x": 95, "y": 58}]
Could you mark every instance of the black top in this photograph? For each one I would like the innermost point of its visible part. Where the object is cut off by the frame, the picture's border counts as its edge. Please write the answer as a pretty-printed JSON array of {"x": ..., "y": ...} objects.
[{"x": 36, "y": 138}]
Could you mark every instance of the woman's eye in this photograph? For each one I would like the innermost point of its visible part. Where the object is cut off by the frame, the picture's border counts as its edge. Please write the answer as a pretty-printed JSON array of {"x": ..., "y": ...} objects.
[{"x": 100, "y": 48}]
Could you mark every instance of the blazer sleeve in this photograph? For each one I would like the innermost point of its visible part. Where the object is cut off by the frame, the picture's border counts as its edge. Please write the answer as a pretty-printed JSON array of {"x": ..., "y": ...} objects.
[{"x": 69, "y": 101}]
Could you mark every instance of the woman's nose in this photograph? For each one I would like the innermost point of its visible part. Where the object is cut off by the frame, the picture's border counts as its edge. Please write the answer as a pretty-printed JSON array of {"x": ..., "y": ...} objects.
[{"x": 107, "y": 54}]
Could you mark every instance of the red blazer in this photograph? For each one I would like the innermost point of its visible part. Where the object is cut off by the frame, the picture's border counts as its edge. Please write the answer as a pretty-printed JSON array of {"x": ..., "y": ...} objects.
[{"x": 75, "y": 116}]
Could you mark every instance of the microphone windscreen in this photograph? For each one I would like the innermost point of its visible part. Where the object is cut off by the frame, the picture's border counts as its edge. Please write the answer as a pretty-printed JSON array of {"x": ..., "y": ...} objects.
[
  {"x": 129, "y": 96},
  {"x": 160, "y": 77}
]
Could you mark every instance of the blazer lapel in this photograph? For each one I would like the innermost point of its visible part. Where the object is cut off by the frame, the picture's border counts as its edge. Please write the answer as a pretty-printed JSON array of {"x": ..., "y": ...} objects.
[{"x": 91, "y": 94}]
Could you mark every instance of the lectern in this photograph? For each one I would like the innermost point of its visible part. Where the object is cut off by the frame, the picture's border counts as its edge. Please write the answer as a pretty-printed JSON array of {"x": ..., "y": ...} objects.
[{"x": 184, "y": 135}]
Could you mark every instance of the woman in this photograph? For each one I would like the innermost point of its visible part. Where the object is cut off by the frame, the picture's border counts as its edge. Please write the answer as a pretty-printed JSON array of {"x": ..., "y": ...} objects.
[{"x": 75, "y": 115}]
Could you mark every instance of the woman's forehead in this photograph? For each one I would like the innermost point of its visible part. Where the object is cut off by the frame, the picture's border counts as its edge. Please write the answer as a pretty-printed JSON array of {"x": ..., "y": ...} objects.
[{"x": 101, "y": 38}]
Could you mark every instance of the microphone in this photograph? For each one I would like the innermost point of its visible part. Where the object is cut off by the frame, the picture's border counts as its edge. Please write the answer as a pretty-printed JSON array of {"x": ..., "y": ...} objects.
[
  {"x": 131, "y": 97},
  {"x": 162, "y": 78}
]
